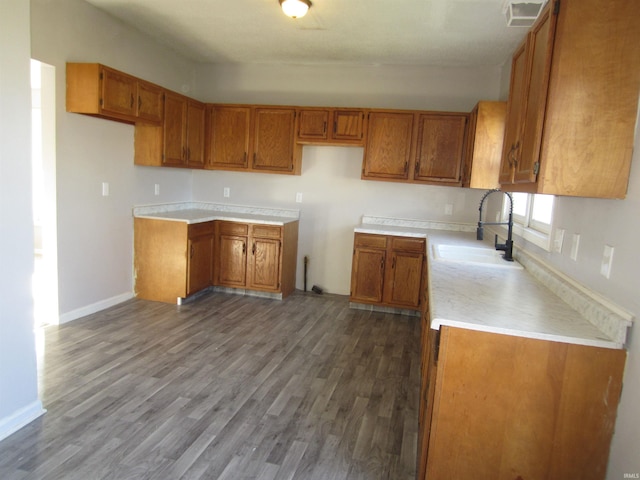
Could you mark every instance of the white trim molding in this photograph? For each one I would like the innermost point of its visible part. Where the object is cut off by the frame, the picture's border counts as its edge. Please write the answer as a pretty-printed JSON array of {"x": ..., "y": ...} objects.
[{"x": 20, "y": 418}]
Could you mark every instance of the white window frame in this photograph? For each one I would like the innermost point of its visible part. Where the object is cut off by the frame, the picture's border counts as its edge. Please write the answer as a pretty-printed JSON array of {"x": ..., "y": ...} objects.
[{"x": 536, "y": 232}]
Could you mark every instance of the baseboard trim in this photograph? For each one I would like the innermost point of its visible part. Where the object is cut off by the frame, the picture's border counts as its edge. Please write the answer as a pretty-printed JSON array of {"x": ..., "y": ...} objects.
[
  {"x": 95, "y": 307},
  {"x": 21, "y": 418}
]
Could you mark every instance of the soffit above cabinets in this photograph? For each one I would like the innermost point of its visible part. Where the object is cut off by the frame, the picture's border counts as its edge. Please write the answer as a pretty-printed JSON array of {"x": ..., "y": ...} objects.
[{"x": 451, "y": 33}]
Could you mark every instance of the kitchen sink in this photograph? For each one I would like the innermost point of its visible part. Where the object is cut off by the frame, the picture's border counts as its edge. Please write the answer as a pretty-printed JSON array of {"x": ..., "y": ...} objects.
[{"x": 472, "y": 256}]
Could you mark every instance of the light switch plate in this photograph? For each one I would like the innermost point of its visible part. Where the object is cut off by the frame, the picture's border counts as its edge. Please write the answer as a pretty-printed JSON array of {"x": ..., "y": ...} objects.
[
  {"x": 156, "y": 189},
  {"x": 575, "y": 245},
  {"x": 105, "y": 189},
  {"x": 448, "y": 209},
  {"x": 607, "y": 260},
  {"x": 299, "y": 197},
  {"x": 226, "y": 192},
  {"x": 558, "y": 240}
]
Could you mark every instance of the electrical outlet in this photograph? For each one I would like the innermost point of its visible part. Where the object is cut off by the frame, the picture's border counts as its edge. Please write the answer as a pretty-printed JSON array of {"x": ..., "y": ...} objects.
[
  {"x": 156, "y": 189},
  {"x": 448, "y": 209},
  {"x": 299, "y": 197},
  {"x": 227, "y": 192},
  {"x": 558, "y": 240},
  {"x": 575, "y": 245},
  {"x": 607, "y": 260},
  {"x": 105, "y": 189}
]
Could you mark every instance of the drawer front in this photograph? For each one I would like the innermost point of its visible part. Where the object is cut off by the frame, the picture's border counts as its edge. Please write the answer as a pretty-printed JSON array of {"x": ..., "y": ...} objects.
[
  {"x": 373, "y": 241},
  {"x": 232, "y": 228},
  {"x": 408, "y": 244},
  {"x": 199, "y": 229},
  {"x": 266, "y": 231}
]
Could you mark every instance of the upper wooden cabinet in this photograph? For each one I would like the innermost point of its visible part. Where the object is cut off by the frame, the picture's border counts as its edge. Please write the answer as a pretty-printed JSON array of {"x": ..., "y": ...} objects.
[
  {"x": 228, "y": 134},
  {"x": 387, "y": 152},
  {"x": 573, "y": 101},
  {"x": 422, "y": 147},
  {"x": 483, "y": 151},
  {"x": 252, "y": 138},
  {"x": 94, "y": 89},
  {"x": 274, "y": 140},
  {"x": 332, "y": 126},
  {"x": 439, "y": 149},
  {"x": 179, "y": 141}
]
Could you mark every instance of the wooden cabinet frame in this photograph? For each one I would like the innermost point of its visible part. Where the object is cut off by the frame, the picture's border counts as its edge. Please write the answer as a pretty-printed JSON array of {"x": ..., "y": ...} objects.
[{"x": 388, "y": 270}]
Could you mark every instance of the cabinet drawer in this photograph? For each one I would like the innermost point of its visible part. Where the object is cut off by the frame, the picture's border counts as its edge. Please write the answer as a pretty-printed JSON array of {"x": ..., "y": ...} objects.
[
  {"x": 266, "y": 231},
  {"x": 231, "y": 228},
  {"x": 408, "y": 244},
  {"x": 368, "y": 240},
  {"x": 199, "y": 229}
]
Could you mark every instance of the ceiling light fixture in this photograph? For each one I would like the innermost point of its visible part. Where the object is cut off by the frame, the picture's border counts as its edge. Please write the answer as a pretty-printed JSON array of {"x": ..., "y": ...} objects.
[{"x": 295, "y": 8}]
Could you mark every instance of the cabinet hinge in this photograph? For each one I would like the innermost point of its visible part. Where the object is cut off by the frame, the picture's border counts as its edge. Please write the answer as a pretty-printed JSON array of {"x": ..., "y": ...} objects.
[
  {"x": 556, "y": 7},
  {"x": 101, "y": 75},
  {"x": 101, "y": 102},
  {"x": 536, "y": 168},
  {"x": 436, "y": 347}
]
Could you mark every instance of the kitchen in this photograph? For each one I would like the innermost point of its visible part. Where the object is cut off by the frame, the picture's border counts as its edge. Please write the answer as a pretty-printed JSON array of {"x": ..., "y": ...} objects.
[{"x": 90, "y": 281}]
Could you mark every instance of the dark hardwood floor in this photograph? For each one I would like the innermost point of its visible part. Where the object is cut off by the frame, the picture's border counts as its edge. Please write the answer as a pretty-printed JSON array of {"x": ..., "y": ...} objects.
[{"x": 225, "y": 387}]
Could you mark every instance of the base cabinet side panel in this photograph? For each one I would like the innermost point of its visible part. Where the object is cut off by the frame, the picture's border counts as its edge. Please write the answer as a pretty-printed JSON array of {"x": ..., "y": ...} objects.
[{"x": 509, "y": 407}]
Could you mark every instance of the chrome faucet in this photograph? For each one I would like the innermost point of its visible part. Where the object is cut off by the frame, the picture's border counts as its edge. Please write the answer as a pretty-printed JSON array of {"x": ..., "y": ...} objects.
[{"x": 506, "y": 247}]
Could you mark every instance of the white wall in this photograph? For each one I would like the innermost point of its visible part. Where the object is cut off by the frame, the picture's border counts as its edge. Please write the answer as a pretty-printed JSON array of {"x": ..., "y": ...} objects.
[
  {"x": 95, "y": 242},
  {"x": 18, "y": 377},
  {"x": 603, "y": 222},
  {"x": 334, "y": 196}
]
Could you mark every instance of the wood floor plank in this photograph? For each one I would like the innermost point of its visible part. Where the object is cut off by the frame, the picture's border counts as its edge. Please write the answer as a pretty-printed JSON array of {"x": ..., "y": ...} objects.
[{"x": 225, "y": 387}]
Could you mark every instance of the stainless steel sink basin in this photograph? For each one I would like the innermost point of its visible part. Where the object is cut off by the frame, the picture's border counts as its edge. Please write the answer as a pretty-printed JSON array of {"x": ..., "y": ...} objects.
[{"x": 472, "y": 256}]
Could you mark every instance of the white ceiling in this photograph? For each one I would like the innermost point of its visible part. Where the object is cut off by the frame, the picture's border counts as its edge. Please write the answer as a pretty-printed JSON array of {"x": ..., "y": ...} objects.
[{"x": 338, "y": 32}]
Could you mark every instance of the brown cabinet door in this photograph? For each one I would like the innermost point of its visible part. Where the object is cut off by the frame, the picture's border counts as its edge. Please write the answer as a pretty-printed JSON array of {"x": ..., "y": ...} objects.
[
  {"x": 539, "y": 63},
  {"x": 367, "y": 275},
  {"x": 199, "y": 266},
  {"x": 264, "y": 264},
  {"x": 232, "y": 261},
  {"x": 175, "y": 122},
  {"x": 195, "y": 134},
  {"x": 274, "y": 139},
  {"x": 118, "y": 92},
  {"x": 348, "y": 125},
  {"x": 229, "y": 130},
  {"x": 388, "y": 148},
  {"x": 149, "y": 105},
  {"x": 404, "y": 278},
  {"x": 313, "y": 124},
  {"x": 439, "y": 149},
  {"x": 515, "y": 111}
]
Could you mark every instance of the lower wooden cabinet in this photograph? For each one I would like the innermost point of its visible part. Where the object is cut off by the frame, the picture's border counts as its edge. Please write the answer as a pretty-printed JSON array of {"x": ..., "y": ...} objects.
[
  {"x": 499, "y": 407},
  {"x": 256, "y": 257},
  {"x": 388, "y": 270},
  {"x": 173, "y": 260}
]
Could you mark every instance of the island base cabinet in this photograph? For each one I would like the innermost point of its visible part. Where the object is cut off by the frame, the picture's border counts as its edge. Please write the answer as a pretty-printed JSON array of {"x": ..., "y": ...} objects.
[{"x": 507, "y": 408}]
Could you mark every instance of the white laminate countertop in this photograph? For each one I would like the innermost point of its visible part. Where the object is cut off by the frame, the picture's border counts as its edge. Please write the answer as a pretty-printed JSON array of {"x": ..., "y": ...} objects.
[
  {"x": 198, "y": 212},
  {"x": 492, "y": 299}
]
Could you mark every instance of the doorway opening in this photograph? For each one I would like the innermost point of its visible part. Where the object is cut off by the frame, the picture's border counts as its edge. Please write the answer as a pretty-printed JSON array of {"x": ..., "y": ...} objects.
[{"x": 43, "y": 159}]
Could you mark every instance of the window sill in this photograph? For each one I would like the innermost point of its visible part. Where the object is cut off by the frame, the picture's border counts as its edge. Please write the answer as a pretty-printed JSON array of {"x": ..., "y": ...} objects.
[{"x": 540, "y": 239}]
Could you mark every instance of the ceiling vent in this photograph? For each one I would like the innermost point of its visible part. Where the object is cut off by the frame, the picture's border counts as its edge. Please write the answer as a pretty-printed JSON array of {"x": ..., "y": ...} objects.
[{"x": 522, "y": 13}]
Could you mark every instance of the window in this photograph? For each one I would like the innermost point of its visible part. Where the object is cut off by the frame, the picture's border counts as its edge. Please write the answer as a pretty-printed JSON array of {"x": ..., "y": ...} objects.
[{"x": 532, "y": 217}]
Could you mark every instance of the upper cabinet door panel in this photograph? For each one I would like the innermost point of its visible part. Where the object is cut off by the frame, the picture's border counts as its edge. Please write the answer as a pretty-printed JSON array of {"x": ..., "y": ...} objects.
[
  {"x": 388, "y": 149},
  {"x": 118, "y": 92},
  {"x": 541, "y": 47},
  {"x": 175, "y": 121},
  {"x": 150, "y": 102},
  {"x": 274, "y": 139},
  {"x": 195, "y": 134},
  {"x": 348, "y": 125},
  {"x": 439, "y": 149},
  {"x": 229, "y": 132},
  {"x": 313, "y": 124}
]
